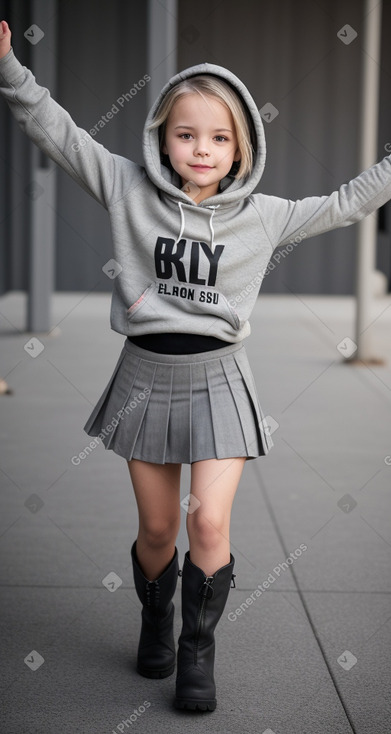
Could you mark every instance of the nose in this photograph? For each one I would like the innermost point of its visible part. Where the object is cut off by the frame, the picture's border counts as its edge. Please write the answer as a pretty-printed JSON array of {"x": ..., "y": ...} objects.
[{"x": 201, "y": 148}]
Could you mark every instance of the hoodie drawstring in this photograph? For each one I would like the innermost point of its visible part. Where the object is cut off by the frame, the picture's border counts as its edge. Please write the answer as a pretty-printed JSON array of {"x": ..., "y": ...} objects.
[
  {"x": 212, "y": 242},
  {"x": 182, "y": 225}
]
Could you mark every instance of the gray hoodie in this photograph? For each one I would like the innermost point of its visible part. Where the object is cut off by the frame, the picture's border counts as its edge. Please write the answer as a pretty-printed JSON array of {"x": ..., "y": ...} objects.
[{"x": 181, "y": 266}]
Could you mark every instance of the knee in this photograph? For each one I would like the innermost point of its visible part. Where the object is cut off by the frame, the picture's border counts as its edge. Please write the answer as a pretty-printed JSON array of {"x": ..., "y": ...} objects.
[
  {"x": 207, "y": 531},
  {"x": 159, "y": 532}
]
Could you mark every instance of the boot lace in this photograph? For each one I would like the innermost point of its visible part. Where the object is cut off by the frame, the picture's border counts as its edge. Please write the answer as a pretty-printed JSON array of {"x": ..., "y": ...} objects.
[{"x": 152, "y": 592}]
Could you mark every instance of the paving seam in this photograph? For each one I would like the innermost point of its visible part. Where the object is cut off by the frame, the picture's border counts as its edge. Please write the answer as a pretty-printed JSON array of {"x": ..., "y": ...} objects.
[
  {"x": 240, "y": 588},
  {"x": 302, "y": 599}
]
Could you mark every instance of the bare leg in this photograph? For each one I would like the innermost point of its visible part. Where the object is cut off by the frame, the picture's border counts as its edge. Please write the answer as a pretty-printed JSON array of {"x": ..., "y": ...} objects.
[
  {"x": 156, "y": 487},
  {"x": 213, "y": 483}
]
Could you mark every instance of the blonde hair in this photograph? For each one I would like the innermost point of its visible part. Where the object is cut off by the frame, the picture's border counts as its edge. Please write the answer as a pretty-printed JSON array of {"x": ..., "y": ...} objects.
[{"x": 213, "y": 87}]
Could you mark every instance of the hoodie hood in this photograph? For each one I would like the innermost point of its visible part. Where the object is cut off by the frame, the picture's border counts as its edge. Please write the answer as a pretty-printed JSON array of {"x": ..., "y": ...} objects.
[{"x": 231, "y": 189}]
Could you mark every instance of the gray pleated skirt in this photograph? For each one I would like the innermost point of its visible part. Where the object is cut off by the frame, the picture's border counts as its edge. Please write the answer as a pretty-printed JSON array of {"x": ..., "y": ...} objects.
[{"x": 170, "y": 408}]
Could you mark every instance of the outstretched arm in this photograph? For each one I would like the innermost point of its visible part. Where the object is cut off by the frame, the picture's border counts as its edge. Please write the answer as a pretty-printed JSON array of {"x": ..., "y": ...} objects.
[
  {"x": 284, "y": 219},
  {"x": 5, "y": 38},
  {"x": 52, "y": 129}
]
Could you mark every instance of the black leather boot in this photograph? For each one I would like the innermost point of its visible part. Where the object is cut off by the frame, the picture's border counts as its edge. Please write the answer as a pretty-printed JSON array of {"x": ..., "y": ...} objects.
[
  {"x": 156, "y": 650},
  {"x": 203, "y": 601}
]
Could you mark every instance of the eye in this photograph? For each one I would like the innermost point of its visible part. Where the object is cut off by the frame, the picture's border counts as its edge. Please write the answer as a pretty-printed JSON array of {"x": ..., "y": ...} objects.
[
  {"x": 185, "y": 136},
  {"x": 220, "y": 138}
]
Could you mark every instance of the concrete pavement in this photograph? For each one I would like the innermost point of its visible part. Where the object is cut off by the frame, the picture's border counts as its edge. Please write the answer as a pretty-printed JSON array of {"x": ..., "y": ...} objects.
[{"x": 311, "y": 653}]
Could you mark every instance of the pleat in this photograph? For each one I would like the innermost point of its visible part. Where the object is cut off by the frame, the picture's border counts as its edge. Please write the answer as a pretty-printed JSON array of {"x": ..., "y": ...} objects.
[
  {"x": 113, "y": 414},
  {"x": 178, "y": 432},
  {"x": 245, "y": 412},
  {"x": 132, "y": 395},
  {"x": 190, "y": 432},
  {"x": 153, "y": 439},
  {"x": 94, "y": 421},
  {"x": 227, "y": 429},
  {"x": 265, "y": 439},
  {"x": 202, "y": 434}
]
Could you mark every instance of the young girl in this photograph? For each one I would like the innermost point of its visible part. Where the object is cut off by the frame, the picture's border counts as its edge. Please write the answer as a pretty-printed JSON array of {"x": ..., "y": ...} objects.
[{"x": 191, "y": 244}]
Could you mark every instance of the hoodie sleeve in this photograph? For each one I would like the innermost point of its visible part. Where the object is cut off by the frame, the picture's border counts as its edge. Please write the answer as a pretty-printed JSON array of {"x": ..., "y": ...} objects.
[
  {"x": 52, "y": 129},
  {"x": 284, "y": 219}
]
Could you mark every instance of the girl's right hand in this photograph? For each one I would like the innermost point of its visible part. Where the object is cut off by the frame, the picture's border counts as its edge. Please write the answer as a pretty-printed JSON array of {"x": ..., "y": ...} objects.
[{"x": 5, "y": 38}]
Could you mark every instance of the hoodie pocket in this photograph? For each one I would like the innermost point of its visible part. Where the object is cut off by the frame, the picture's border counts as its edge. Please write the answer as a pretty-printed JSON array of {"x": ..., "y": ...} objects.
[
  {"x": 140, "y": 301},
  {"x": 172, "y": 301}
]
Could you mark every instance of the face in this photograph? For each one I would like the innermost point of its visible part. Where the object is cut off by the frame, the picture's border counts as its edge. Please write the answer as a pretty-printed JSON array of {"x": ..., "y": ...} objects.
[{"x": 201, "y": 143}]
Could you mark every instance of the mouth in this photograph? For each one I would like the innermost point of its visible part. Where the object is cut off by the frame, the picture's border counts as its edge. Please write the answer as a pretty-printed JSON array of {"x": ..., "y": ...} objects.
[{"x": 200, "y": 167}]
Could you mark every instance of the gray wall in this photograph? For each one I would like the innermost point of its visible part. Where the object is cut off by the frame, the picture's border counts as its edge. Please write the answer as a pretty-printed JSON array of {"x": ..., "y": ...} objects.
[
  {"x": 286, "y": 51},
  {"x": 100, "y": 52},
  {"x": 107, "y": 56},
  {"x": 14, "y": 168}
]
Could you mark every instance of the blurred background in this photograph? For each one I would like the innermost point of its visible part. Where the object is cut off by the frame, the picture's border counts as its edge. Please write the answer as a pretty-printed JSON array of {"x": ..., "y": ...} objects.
[{"x": 287, "y": 53}]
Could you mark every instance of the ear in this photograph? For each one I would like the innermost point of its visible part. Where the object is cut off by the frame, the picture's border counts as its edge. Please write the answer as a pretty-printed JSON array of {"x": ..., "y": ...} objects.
[
  {"x": 237, "y": 155},
  {"x": 164, "y": 149}
]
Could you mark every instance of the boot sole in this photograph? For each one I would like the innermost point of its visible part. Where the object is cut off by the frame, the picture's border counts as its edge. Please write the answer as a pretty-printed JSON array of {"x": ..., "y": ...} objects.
[
  {"x": 156, "y": 673},
  {"x": 194, "y": 705}
]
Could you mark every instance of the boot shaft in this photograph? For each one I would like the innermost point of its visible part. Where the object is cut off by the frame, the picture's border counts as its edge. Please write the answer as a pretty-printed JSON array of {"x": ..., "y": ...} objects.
[
  {"x": 158, "y": 593},
  {"x": 203, "y": 601},
  {"x": 156, "y": 649}
]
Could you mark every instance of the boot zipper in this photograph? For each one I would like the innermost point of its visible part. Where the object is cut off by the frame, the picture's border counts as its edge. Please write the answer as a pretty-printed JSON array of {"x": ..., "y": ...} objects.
[{"x": 207, "y": 585}]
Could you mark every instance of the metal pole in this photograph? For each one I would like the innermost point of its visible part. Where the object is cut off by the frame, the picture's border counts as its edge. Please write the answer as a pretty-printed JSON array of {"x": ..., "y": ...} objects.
[
  {"x": 162, "y": 44},
  {"x": 42, "y": 184},
  {"x": 367, "y": 228}
]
